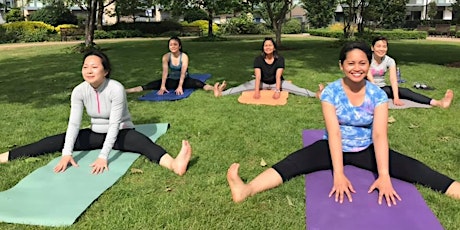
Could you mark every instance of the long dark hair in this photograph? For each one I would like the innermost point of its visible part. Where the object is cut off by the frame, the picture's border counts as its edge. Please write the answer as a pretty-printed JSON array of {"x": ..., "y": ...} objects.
[
  {"x": 178, "y": 41},
  {"x": 275, "y": 52},
  {"x": 104, "y": 60}
]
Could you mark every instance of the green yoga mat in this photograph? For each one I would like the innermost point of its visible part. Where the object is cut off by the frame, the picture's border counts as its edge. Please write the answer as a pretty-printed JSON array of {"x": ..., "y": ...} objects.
[{"x": 58, "y": 199}]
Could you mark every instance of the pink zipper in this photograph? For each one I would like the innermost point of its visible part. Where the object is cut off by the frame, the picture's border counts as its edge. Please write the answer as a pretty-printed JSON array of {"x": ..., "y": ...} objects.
[{"x": 98, "y": 103}]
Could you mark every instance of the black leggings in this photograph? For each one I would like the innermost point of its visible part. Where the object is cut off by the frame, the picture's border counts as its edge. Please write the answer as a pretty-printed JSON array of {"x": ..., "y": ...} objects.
[
  {"x": 317, "y": 157},
  {"x": 189, "y": 83},
  {"x": 128, "y": 140},
  {"x": 408, "y": 94}
]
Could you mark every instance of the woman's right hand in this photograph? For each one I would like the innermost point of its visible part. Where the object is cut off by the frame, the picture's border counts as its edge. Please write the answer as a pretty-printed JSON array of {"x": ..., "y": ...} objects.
[
  {"x": 342, "y": 186},
  {"x": 256, "y": 95},
  {"x": 162, "y": 90},
  {"x": 62, "y": 165}
]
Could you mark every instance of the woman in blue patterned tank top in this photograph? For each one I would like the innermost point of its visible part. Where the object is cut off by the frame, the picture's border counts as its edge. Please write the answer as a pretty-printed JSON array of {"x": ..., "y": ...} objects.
[{"x": 356, "y": 118}]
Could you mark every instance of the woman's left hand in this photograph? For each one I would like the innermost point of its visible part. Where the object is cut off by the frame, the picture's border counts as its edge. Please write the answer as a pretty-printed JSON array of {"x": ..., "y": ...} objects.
[
  {"x": 383, "y": 184},
  {"x": 276, "y": 95},
  {"x": 99, "y": 166},
  {"x": 398, "y": 102},
  {"x": 179, "y": 91}
]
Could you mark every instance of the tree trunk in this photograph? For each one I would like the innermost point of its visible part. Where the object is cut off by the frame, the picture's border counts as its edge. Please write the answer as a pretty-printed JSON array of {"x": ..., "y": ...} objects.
[
  {"x": 100, "y": 14},
  {"x": 210, "y": 24},
  {"x": 90, "y": 23}
]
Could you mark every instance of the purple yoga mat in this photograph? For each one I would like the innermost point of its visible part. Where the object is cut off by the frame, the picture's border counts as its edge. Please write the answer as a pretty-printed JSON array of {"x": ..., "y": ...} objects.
[{"x": 364, "y": 212}]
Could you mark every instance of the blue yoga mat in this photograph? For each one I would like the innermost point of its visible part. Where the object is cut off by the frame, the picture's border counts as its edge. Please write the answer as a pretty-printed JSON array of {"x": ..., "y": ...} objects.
[
  {"x": 58, "y": 199},
  {"x": 171, "y": 96},
  {"x": 323, "y": 213}
]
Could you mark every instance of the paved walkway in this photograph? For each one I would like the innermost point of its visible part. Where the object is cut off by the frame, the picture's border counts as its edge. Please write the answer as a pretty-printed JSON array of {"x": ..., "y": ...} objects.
[{"x": 10, "y": 46}]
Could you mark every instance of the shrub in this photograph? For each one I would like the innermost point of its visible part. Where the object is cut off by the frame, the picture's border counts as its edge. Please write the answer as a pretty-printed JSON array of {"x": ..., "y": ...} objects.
[
  {"x": 66, "y": 26},
  {"x": 243, "y": 25},
  {"x": 392, "y": 35},
  {"x": 14, "y": 15},
  {"x": 28, "y": 31},
  {"x": 146, "y": 28},
  {"x": 292, "y": 26},
  {"x": 203, "y": 24},
  {"x": 54, "y": 15},
  {"x": 195, "y": 14},
  {"x": 101, "y": 34}
]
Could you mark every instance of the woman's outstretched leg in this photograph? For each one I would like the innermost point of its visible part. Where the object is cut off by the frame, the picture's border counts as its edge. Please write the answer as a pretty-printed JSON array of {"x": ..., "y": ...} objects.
[
  {"x": 136, "y": 89},
  {"x": 268, "y": 179},
  {"x": 179, "y": 164}
]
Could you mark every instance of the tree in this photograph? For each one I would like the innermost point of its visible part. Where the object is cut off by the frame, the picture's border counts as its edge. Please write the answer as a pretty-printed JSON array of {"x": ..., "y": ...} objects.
[
  {"x": 54, "y": 15},
  {"x": 133, "y": 8},
  {"x": 211, "y": 7},
  {"x": 432, "y": 10},
  {"x": 319, "y": 12},
  {"x": 456, "y": 11},
  {"x": 274, "y": 13}
]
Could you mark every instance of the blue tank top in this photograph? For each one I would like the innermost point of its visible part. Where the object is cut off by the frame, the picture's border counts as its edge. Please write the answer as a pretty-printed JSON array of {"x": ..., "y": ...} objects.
[{"x": 174, "y": 70}]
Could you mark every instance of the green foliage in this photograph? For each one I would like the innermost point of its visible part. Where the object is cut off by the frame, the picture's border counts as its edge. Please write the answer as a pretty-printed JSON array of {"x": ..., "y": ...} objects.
[
  {"x": 147, "y": 28},
  {"x": 132, "y": 8},
  {"x": 319, "y": 12},
  {"x": 391, "y": 34},
  {"x": 55, "y": 15},
  {"x": 28, "y": 31},
  {"x": 432, "y": 10},
  {"x": 37, "y": 82},
  {"x": 292, "y": 26},
  {"x": 14, "y": 15},
  {"x": 195, "y": 14},
  {"x": 66, "y": 26},
  {"x": 203, "y": 24},
  {"x": 243, "y": 24}
]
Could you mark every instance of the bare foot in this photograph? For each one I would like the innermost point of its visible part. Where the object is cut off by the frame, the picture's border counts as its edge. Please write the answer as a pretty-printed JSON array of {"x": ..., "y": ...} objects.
[
  {"x": 135, "y": 90},
  {"x": 454, "y": 190},
  {"x": 240, "y": 190},
  {"x": 320, "y": 90},
  {"x": 217, "y": 93},
  {"x": 222, "y": 87},
  {"x": 4, "y": 157},
  {"x": 447, "y": 100},
  {"x": 180, "y": 163}
]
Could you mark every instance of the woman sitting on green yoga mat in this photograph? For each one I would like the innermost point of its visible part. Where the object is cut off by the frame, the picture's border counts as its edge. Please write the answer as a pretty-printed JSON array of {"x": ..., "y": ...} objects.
[
  {"x": 268, "y": 73},
  {"x": 356, "y": 118},
  {"x": 381, "y": 63},
  {"x": 175, "y": 73},
  {"x": 111, "y": 127}
]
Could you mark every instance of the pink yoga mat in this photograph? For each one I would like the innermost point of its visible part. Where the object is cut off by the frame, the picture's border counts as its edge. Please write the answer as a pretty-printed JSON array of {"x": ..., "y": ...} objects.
[{"x": 364, "y": 212}]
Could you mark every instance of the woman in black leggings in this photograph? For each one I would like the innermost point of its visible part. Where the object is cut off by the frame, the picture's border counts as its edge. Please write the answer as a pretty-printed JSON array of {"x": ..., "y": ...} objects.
[
  {"x": 356, "y": 118},
  {"x": 381, "y": 63},
  {"x": 104, "y": 100}
]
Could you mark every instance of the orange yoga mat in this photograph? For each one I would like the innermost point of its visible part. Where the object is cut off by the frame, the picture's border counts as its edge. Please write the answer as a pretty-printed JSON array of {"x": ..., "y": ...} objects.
[{"x": 266, "y": 98}]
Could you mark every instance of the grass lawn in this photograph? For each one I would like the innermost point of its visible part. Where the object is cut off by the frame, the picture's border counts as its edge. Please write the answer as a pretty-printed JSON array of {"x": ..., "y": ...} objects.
[{"x": 36, "y": 83}]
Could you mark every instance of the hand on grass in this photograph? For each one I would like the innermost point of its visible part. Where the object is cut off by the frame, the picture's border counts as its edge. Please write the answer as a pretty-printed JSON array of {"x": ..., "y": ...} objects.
[
  {"x": 342, "y": 187},
  {"x": 99, "y": 166},
  {"x": 62, "y": 165},
  {"x": 383, "y": 184}
]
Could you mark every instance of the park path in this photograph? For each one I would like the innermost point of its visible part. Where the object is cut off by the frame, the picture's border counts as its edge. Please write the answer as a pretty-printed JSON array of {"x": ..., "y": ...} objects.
[{"x": 10, "y": 46}]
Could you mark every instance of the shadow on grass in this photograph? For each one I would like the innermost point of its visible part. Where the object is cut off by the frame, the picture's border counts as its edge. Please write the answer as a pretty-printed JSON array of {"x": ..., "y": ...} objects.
[{"x": 47, "y": 79}]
